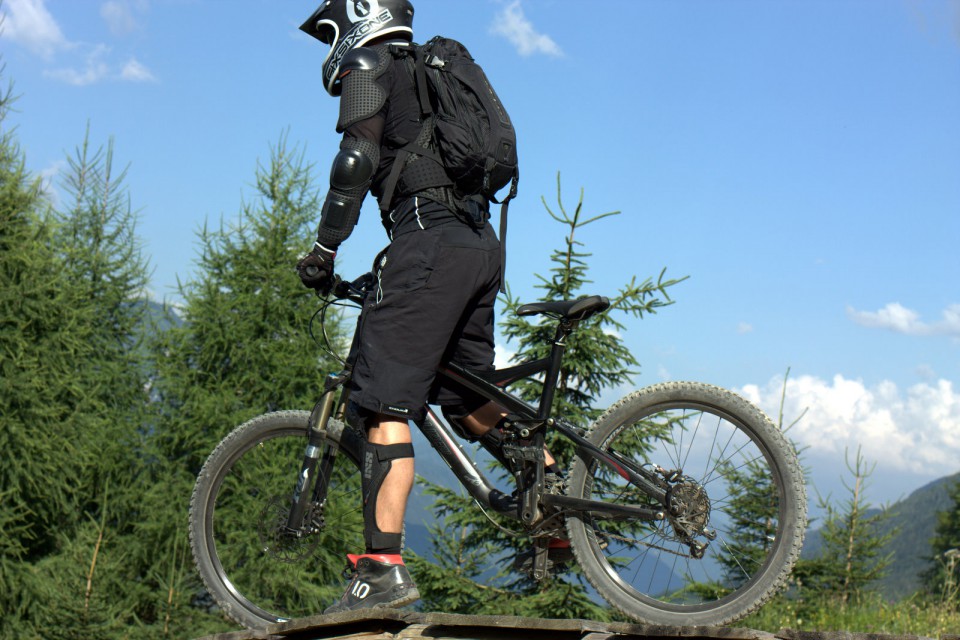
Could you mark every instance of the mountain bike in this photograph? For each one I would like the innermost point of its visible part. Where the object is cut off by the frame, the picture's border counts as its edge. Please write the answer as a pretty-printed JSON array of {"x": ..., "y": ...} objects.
[{"x": 683, "y": 504}]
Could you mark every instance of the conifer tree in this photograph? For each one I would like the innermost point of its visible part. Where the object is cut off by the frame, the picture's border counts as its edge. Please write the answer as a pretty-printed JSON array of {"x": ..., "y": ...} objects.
[
  {"x": 853, "y": 556},
  {"x": 943, "y": 578},
  {"x": 595, "y": 360},
  {"x": 241, "y": 347},
  {"x": 97, "y": 248},
  {"x": 44, "y": 335}
]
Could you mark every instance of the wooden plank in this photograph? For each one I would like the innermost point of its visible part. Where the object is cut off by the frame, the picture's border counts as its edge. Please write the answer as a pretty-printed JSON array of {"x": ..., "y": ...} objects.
[
  {"x": 392, "y": 624},
  {"x": 241, "y": 635},
  {"x": 791, "y": 634}
]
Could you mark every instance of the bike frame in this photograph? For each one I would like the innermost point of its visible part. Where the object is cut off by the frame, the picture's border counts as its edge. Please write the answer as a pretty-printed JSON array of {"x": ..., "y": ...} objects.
[{"x": 528, "y": 422}]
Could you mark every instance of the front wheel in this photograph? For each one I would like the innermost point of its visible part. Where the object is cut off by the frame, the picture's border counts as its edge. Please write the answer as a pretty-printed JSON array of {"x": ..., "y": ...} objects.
[
  {"x": 255, "y": 570},
  {"x": 734, "y": 512}
]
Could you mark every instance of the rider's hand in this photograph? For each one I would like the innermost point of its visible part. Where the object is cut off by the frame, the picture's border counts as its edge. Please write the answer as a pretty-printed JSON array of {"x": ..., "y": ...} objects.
[{"x": 316, "y": 268}]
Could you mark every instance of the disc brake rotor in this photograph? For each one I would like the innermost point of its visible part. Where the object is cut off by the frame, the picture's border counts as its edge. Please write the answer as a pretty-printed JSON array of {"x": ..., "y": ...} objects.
[{"x": 279, "y": 542}]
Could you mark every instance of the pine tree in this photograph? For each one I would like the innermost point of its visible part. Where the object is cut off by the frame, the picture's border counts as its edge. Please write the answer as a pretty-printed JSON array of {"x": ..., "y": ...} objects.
[
  {"x": 99, "y": 252},
  {"x": 943, "y": 579},
  {"x": 241, "y": 348},
  {"x": 44, "y": 336},
  {"x": 595, "y": 360},
  {"x": 853, "y": 555}
]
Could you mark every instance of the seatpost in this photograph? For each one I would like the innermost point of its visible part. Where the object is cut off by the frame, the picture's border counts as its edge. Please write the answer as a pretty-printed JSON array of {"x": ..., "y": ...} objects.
[{"x": 553, "y": 369}]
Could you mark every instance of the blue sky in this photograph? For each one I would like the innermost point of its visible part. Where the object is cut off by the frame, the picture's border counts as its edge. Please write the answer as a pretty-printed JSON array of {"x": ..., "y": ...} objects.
[{"x": 799, "y": 160}]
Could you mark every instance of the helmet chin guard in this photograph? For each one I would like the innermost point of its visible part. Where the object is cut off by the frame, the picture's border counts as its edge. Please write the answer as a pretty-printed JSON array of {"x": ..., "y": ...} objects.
[{"x": 348, "y": 24}]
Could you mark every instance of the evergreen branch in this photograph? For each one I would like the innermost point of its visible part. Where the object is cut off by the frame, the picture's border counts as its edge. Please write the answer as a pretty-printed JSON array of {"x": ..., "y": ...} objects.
[{"x": 600, "y": 217}]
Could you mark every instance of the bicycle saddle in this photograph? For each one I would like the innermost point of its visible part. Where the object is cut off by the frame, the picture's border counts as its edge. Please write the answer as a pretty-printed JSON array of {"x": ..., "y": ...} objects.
[{"x": 579, "y": 309}]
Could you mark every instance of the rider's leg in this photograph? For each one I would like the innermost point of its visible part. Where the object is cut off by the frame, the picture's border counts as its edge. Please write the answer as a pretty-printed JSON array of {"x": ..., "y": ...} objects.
[
  {"x": 481, "y": 421},
  {"x": 392, "y": 494},
  {"x": 380, "y": 577}
]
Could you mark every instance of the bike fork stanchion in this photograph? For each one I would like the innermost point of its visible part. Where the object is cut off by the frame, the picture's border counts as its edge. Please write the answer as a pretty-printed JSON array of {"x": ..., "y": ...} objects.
[{"x": 316, "y": 436}]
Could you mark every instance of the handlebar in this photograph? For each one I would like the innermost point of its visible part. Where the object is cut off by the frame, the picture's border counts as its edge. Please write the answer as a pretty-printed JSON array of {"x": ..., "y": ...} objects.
[{"x": 354, "y": 290}]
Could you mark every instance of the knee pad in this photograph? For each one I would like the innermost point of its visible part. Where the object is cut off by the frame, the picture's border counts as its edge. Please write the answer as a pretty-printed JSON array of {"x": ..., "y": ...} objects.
[{"x": 376, "y": 463}]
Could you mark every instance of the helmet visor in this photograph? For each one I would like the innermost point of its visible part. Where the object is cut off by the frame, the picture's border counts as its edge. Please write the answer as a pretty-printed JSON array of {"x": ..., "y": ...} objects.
[{"x": 325, "y": 31}]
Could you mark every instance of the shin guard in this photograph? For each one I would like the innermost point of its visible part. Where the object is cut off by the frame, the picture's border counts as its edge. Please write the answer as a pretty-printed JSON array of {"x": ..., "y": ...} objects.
[{"x": 377, "y": 460}]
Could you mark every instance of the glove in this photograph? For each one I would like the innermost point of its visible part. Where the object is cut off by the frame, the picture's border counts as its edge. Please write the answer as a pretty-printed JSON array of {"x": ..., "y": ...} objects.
[{"x": 316, "y": 268}]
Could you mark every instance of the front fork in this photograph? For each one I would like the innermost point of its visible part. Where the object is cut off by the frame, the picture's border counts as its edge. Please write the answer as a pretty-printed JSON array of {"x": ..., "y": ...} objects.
[{"x": 316, "y": 443}]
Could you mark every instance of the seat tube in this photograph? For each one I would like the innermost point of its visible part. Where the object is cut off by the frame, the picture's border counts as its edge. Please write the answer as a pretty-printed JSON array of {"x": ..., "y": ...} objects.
[{"x": 553, "y": 369}]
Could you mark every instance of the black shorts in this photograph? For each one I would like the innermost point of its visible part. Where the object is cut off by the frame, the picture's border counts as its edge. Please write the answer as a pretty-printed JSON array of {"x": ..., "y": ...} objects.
[{"x": 433, "y": 303}]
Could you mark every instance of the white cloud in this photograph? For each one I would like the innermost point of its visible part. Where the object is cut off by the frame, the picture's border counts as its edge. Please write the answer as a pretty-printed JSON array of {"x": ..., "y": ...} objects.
[
  {"x": 134, "y": 71},
  {"x": 97, "y": 67},
  {"x": 503, "y": 356},
  {"x": 27, "y": 22},
  {"x": 915, "y": 430},
  {"x": 118, "y": 16},
  {"x": 900, "y": 319},
  {"x": 512, "y": 24},
  {"x": 94, "y": 68},
  {"x": 30, "y": 24},
  {"x": 744, "y": 328}
]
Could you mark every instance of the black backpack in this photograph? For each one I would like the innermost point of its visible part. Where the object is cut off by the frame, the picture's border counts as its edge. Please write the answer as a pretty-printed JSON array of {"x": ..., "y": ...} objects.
[{"x": 475, "y": 141}]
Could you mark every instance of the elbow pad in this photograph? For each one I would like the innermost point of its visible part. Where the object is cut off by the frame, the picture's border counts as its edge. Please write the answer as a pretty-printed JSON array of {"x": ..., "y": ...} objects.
[{"x": 350, "y": 177}]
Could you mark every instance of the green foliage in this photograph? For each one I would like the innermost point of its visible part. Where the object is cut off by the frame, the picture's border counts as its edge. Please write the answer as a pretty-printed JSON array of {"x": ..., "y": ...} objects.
[
  {"x": 243, "y": 348},
  {"x": 853, "y": 556},
  {"x": 873, "y": 614},
  {"x": 943, "y": 578},
  {"x": 753, "y": 505},
  {"x": 595, "y": 357},
  {"x": 44, "y": 335},
  {"x": 462, "y": 579}
]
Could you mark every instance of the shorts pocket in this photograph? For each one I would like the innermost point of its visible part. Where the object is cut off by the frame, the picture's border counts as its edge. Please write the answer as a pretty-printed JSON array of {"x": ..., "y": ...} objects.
[{"x": 411, "y": 259}]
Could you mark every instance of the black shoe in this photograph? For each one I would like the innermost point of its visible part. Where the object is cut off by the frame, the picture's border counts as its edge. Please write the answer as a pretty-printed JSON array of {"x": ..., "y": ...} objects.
[{"x": 378, "y": 581}]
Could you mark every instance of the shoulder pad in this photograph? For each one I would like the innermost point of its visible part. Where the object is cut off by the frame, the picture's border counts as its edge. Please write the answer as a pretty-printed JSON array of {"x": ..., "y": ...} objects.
[
  {"x": 362, "y": 95},
  {"x": 360, "y": 59}
]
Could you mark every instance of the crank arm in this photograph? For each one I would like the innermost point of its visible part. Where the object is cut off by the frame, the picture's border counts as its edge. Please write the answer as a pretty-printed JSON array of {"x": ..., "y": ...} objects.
[{"x": 540, "y": 548}]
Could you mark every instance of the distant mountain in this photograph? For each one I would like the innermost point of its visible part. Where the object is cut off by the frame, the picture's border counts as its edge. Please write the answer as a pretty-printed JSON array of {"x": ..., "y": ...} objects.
[{"x": 914, "y": 519}]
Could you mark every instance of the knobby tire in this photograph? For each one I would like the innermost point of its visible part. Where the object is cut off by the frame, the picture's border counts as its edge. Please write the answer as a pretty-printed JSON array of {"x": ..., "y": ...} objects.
[
  {"x": 740, "y": 480},
  {"x": 239, "y": 503}
]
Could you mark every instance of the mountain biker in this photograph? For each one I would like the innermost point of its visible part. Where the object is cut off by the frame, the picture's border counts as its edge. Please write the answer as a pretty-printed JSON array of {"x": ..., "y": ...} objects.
[{"x": 437, "y": 280}]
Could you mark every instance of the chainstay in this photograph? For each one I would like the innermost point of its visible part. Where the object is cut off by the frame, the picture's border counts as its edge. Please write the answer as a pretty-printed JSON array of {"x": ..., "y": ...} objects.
[{"x": 650, "y": 545}]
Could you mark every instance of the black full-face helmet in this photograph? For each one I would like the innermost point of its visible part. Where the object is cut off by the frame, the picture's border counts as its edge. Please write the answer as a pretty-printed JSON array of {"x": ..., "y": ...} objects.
[{"x": 348, "y": 24}]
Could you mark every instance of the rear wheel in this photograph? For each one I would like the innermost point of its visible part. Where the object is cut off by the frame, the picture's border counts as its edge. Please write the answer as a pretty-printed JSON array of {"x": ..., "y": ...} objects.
[
  {"x": 256, "y": 572},
  {"x": 735, "y": 514}
]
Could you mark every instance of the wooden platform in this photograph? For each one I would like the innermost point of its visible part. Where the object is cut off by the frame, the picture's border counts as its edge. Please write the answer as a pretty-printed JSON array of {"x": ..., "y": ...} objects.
[{"x": 390, "y": 624}]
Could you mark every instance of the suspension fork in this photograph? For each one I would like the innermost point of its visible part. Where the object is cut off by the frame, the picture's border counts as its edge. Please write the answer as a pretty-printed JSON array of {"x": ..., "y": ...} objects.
[{"x": 316, "y": 439}]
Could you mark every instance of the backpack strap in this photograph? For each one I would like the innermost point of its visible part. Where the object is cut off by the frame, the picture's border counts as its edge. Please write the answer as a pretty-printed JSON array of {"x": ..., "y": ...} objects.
[
  {"x": 504, "y": 206},
  {"x": 405, "y": 51},
  {"x": 403, "y": 156}
]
